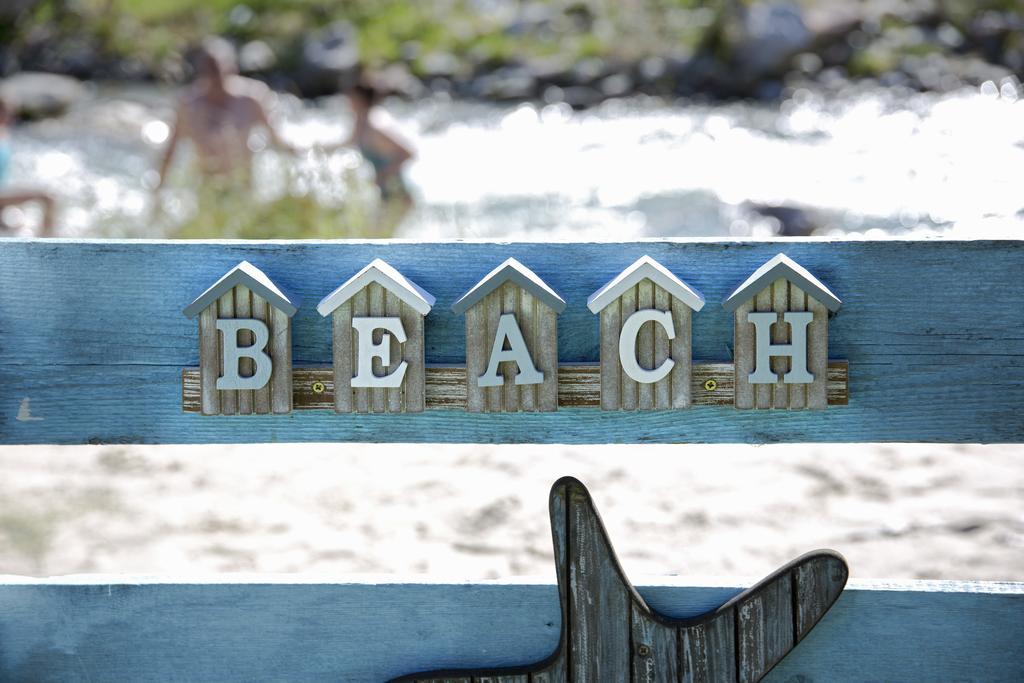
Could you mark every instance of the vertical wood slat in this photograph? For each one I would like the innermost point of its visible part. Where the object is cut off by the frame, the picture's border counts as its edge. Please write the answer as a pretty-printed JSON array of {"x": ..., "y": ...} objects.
[
  {"x": 645, "y": 344},
  {"x": 627, "y": 385},
  {"x": 209, "y": 360},
  {"x": 611, "y": 368},
  {"x": 281, "y": 352},
  {"x": 378, "y": 396},
  {"x": 817, "y": 585},
  {"x": 494, "y": 303},
  {"x": 393, "y": 309},
  {"x": 599, "y": 602},
  {"x": 414, "y": 355},
  {"x": 528, "y": 324},
  {"x": 556, "y": 670},
  {"x": 243, "y": 310},
  {"x": 765, "y": 629},
  {"x": 654, "y": 649},
  {"x": 707, "y": 651},
  {"x": 476, "y": 357},
  {"x": 226, "y": 309},
  {"x": 343, "y": 337},
  {"x": 743, "y": 356},
  {"x": 261, "y": 397},
  {"x": 682, "y": 354},
  {"x": 360, "y": 309},
  {"x": 817, "y": 355},
  {"x": 545, "y": 356},
  {"x": 781, "y": 334},
  {"x": 663, "y": 351},
  {"x": 763, "y": 392},
  {"x": 798, "y": 392},
  {"x": 510, "y": 393}
]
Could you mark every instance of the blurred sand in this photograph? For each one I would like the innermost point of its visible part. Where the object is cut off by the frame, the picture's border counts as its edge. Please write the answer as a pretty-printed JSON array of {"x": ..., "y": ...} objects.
[{"x": 895, "y": 511}]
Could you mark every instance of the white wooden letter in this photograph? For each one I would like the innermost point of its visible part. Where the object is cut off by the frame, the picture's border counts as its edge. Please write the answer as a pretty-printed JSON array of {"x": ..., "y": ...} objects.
[
  {"x": 517, "y": 353},
  {"x": 367, "y": 351},
  {"x": 796, "y": 350},
  {"x": 233, "y": 353},
  {"x": 627, "y": 345}
]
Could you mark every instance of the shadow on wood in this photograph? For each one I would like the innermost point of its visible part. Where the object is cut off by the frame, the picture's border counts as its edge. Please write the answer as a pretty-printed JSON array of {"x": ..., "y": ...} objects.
[{"x": 610, "y": 634}]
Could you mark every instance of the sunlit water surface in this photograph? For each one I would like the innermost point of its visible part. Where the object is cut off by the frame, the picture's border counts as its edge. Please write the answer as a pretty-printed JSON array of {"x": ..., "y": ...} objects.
[{"x": 868, "y": 161}]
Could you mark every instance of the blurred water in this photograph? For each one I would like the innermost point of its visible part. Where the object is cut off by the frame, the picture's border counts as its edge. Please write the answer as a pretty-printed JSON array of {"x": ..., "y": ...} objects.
[{"x": 874, "y": 161}]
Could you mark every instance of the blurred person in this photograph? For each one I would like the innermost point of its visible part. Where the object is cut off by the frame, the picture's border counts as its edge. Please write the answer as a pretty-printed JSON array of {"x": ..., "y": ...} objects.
[
  {"x": 18, "y": 197},
  {"x": 219, "y": 114}
]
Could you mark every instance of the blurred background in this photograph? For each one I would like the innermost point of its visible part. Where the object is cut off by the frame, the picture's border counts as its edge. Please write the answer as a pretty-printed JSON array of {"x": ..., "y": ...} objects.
[
  {"x": 584, "y": 119},
  {"x": 578, "y": 119}
]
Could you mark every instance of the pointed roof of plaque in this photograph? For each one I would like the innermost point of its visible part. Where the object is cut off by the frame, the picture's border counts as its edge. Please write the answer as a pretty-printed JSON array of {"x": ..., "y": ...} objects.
[
  {"x": 645, "y": 268},
  {"x": 252, "y": 277},
  {"x": 382, "y": 273},
  {"x": 784, "y": 267},
  {"x": 510, "y": 271}
]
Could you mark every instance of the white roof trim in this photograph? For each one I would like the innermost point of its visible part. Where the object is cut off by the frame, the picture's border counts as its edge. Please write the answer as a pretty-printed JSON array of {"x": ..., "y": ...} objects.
[
  {"x": 380, "y": 272},
  {"x": 252, "y": 277},
  {"x": 510, "y": 271},
  {"x": 782, "y": 266},
  {"x": 645, "y": 268}
]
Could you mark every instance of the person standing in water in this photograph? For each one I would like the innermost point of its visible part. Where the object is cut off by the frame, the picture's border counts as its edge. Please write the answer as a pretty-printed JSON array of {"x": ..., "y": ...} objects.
[
  {"x": 219, "y": 114},
  {"x": 18, "y": 197}
]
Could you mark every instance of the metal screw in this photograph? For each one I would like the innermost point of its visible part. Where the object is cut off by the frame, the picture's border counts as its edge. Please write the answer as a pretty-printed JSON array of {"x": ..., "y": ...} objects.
[
  {"x": 643, "y": 650},
  {"x": 318, "y": 387},
  {"x": 710, "y": 385}
]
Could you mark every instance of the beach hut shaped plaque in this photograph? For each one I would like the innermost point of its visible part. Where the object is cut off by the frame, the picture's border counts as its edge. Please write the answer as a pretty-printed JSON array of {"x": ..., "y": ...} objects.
[
  {"x": 511, "y": 341},
  {"x": 245, "y": 344},
  {"x": 645, "y": 314},
  {"x": 378, "y": 353},
  {"x": 780, "y": 351}
]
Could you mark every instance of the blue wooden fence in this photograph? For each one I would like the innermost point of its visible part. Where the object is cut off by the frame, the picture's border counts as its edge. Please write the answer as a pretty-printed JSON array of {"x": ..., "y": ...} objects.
[
  {"x": 133, "y": 629},
  {"x": 92, "y": 339}
]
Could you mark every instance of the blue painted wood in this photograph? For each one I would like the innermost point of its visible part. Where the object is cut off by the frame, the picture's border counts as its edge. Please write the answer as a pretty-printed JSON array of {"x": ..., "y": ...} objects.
[
  {"x": 125, "y": 629},
  {"x": 91, "y": 333}
]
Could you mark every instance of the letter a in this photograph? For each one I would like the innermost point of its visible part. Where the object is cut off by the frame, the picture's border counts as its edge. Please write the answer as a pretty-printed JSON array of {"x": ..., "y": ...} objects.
[{"x": 508, "y": 329}]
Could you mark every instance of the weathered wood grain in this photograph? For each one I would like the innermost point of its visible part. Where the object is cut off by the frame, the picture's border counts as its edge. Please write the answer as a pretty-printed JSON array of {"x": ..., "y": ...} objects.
[
  {"x": 611, "y": 368},
  {"x": 781, "y": 334},
  {"x": 493, "y": 302},
  {"x": 243, "y": 310},
  {"x": 375, "y": 298},
  {"x": 743, "y": 357},
  {"x": 476, "y": 357},
  {"x": 209, "y": 360},
  {"x": 680, "y": 380},
  {"x": 579, "y": 386},
  {"x": 817, "y": 354},
  {"x": 546, "y": 359},
  {"x": 261, "y": 397},
  {"x": 415, "y": 375},
  {"x": 763, "y": 302},
  {"x": 645, "y": 344},
  {"x": 628, "y": 398},
  {"x": 362, "y": 401},
  {"x": 764, "y": 626},
  {"x": 393, "y": 309},
  {"x": 281, "y": 352},
  {"x": 510, "y": 395},
  {"x": 530, "y": 327},
  {"x": 815, "y": 585},
  {"x": 663, "y": 352},
  {"x": 343, "y": 339},
  {"x": 654, "y": 649},
  {"x": 922, "y": 367},
  {"x": 708, "y": 650},
  {"x": 797, "y": 392},
  {"x": 225, "y": 309}
]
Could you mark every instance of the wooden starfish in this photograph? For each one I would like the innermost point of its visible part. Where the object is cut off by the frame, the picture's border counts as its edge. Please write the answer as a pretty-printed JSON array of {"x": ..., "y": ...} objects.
[{"x": 609, "y": 634}]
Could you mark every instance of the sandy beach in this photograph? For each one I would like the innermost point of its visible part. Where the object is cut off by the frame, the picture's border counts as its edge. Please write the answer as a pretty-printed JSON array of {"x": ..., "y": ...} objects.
[{"x": 895, "y": 510}]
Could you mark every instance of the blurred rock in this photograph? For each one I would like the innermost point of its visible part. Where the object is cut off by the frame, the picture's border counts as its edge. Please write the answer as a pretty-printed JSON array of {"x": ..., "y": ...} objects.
[
  {"x": 791, "y": 221},
  {"x": 256, "y": 57},
  {"x": 616, "y": 85},
  {"x": 581, "y": 96},
  {"x": 41, "y": 95},
  {"x": 329, "y": 61},
  {"x": 398, "y": 80},
  {"x": 771, "y": 35},
  {"x": 506, "y": 83}
]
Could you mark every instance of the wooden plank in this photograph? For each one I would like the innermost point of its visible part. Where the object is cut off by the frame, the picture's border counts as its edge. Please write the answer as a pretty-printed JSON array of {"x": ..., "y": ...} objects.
[
  {"x": 228, "y": 398},
  {"x": 546, "y": 359},
  {"x": 663, "y": 352},
  {"x": 413, "y": 354},
  {"x": 343, "y": 340},
  {"x": 493, "y": 303},
  {"x": 950, "y": 376},
  {"x": 797, "y": 392},
  {"x": 654, "y": 649},
  {"x": 817, "y": 355},
  {"x": 360, "y": 309},
  {"x": 708, "y": 651},
  {"x": 510, "y": 393},
  {"x": 628, "y": 387},
  {"x": 815, "y": 587},
  {"x": 764, "y": 628},
  {"x": 209, "y": 360},
  {"x": 528, "y": 324},
  {"x": 781, "y": 334},
  {"x": 682, "y": 372},
  {"x": 393, "y": 309},
  {"x": 763, "y": 392},
  {"x": 645, "y": 344},
  {"x": 243, "y": 310},
  {"x": 375, "y": 298},
  {"x": 129, "y": 628},
  {"x": 611, "y": 368},
  {"x": 743, "y": 356},
  {"x": 476, "y": 357},
  {"x": 578, "y": 386},
  {"x": 261, "y": 397},
  {"x": 281, "y": 352}
]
